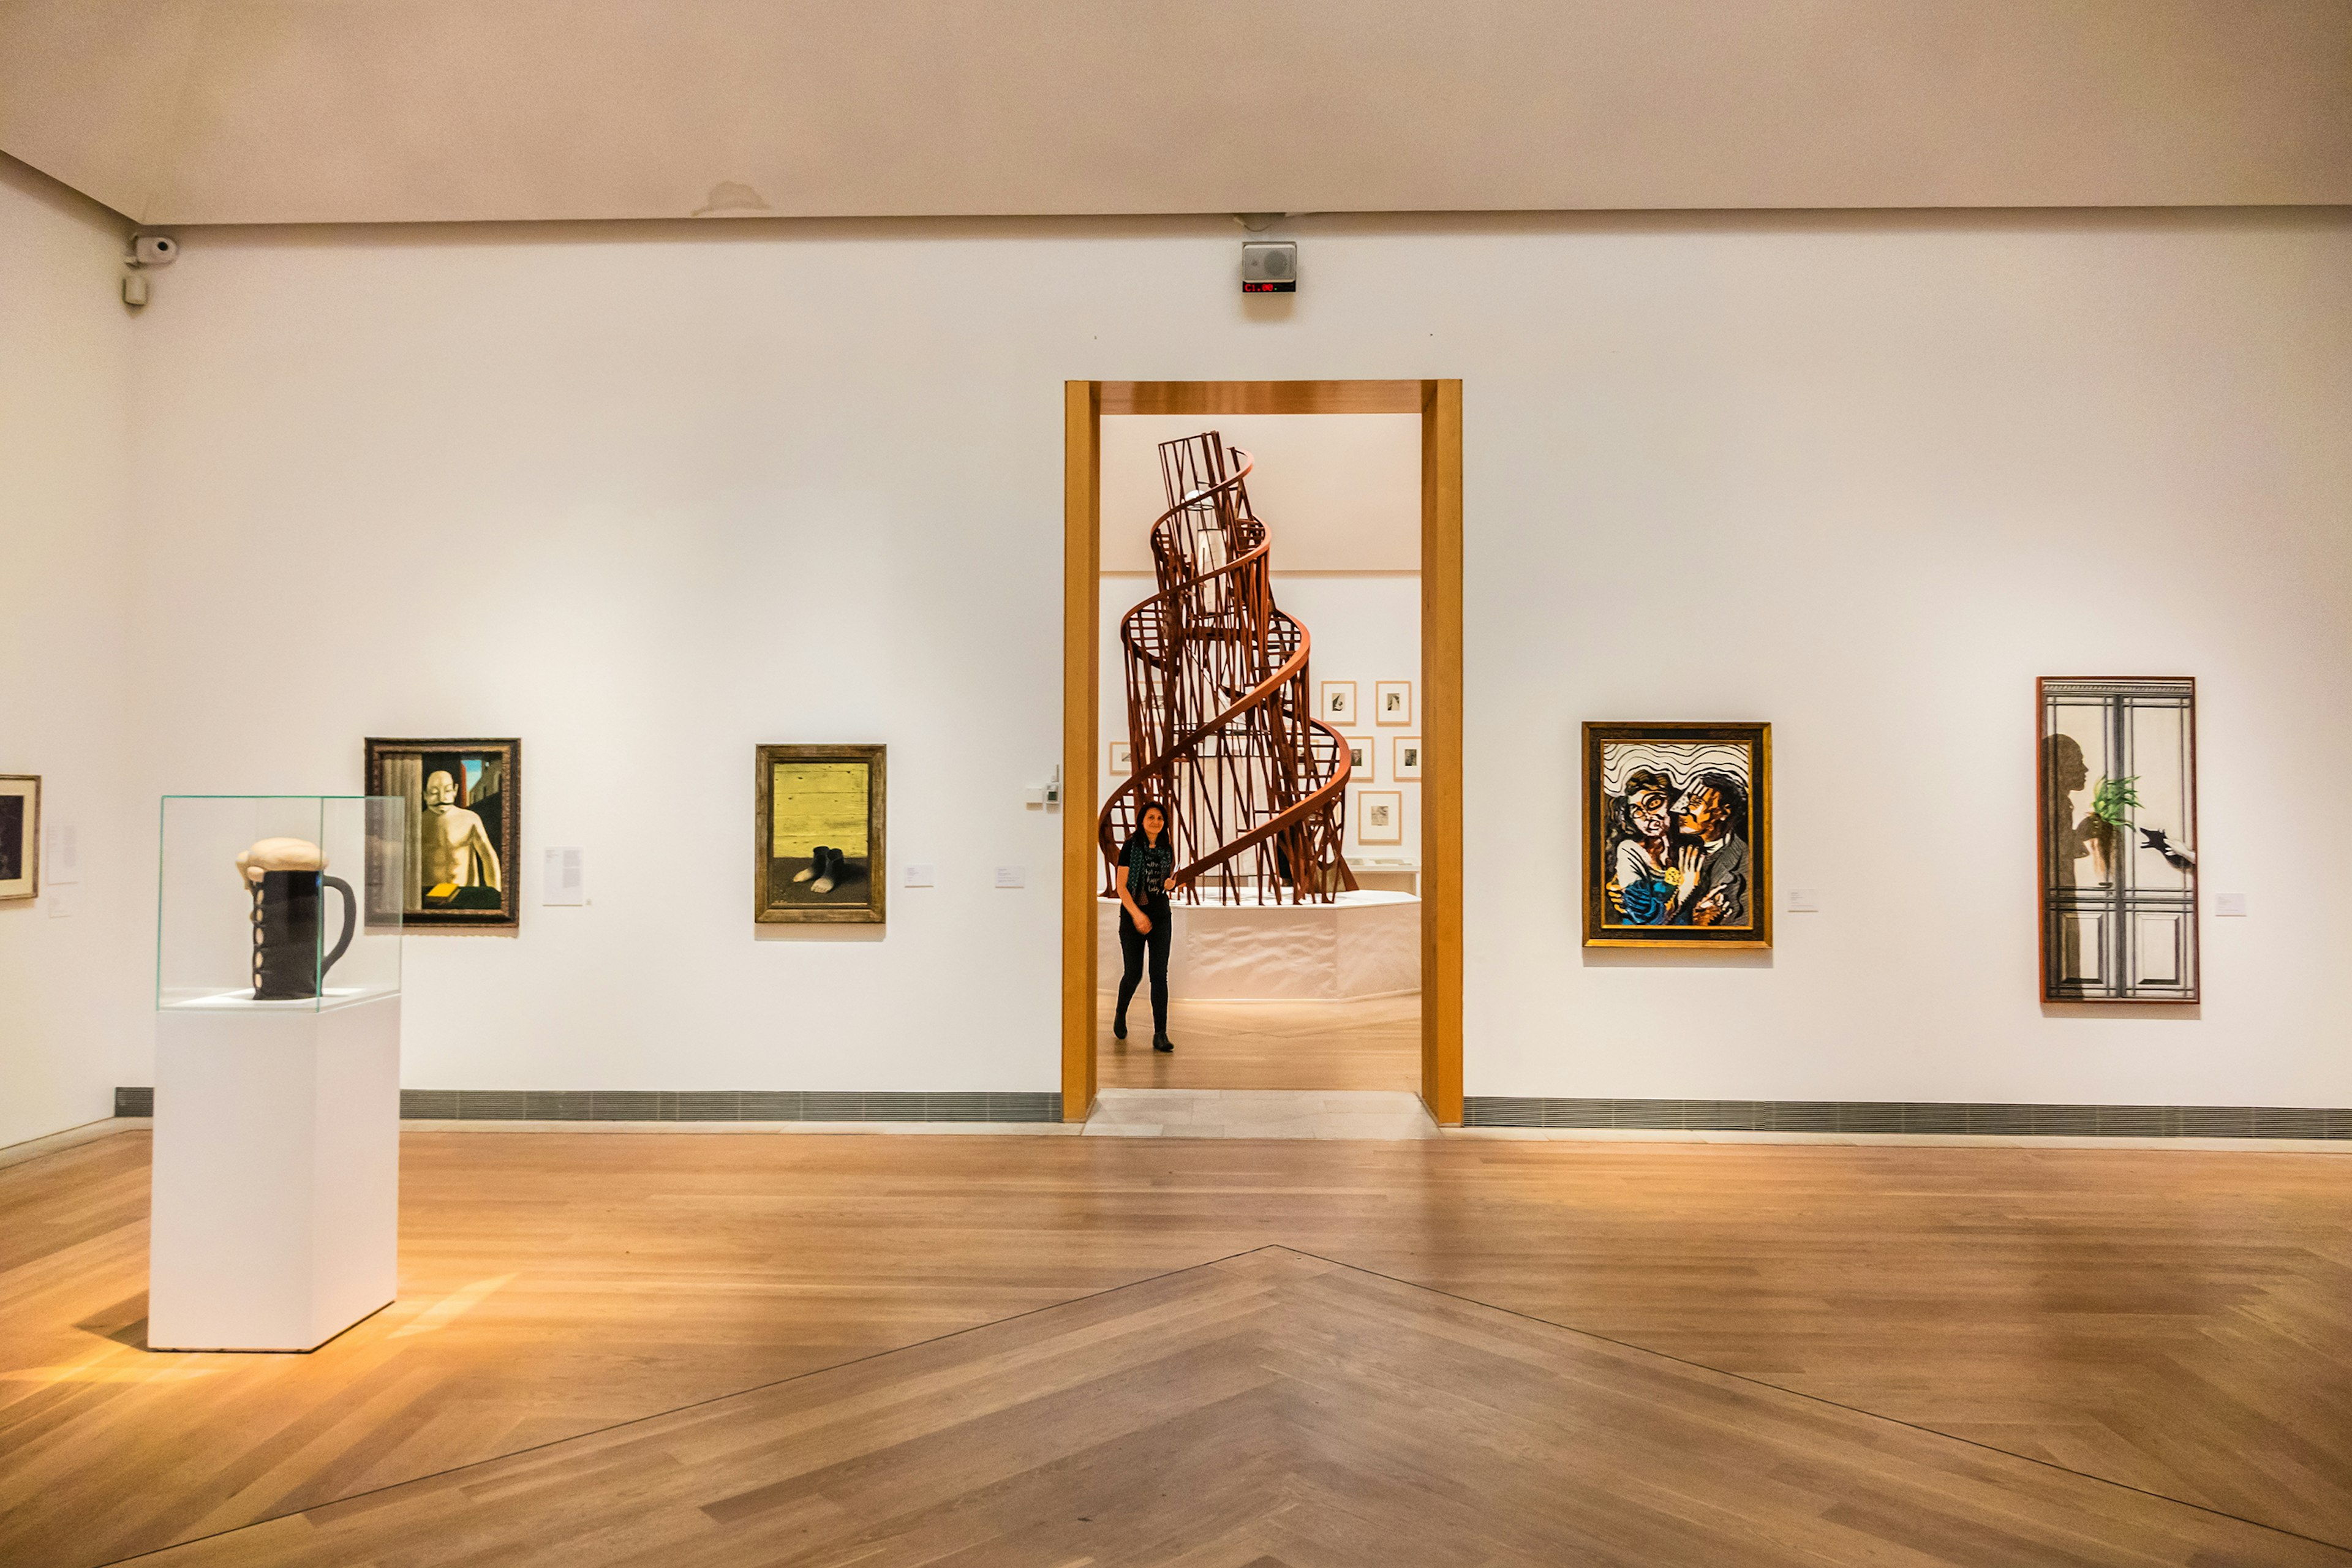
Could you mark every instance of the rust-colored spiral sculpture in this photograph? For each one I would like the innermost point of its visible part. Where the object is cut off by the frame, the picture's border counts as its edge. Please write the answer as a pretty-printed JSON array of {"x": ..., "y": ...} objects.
[{"x": 1219, "y": 713}]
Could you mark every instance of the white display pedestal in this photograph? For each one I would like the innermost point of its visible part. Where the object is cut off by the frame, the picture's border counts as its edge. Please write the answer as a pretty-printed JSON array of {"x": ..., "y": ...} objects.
[
  {"x": 277, "y": 1183},
  {"x": 1363, "y": 944},
  {"x": 1394, "y": 875}
]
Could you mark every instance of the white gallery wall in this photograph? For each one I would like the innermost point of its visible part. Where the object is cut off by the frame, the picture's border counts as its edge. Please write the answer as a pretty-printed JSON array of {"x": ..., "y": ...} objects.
[
  {"x": 647, "y": 496},
  {"x": 71, "y": 961}
]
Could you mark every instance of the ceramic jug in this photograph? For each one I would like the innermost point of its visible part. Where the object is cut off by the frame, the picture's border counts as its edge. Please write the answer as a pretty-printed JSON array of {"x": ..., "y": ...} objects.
[{"x": 286, "y": 876}]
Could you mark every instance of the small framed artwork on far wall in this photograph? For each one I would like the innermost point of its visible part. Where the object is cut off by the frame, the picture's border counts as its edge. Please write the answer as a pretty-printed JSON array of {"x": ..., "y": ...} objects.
[
  {"x": 1335, "y": 704},
  {"x": 20, "y": 836},
  {"x": 1359, "y": 762},
  {"x": 1380, "y": 817},
  {"x": 1393, "y": 702},
  {"x": 1404, "y": 759},
  {"x": 1122, "y": 758}
]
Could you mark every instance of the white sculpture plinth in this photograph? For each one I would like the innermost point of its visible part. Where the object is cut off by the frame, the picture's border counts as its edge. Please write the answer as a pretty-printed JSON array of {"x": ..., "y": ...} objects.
[
  {"x": 276, "y": 1173},
  {"x": 1386, "y": 874},
  {"x": 1365, "y": 944}
]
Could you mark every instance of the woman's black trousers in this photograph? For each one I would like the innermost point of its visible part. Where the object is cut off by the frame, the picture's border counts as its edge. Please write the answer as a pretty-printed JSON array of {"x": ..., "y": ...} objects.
[{"x": 1132, "y": 944}]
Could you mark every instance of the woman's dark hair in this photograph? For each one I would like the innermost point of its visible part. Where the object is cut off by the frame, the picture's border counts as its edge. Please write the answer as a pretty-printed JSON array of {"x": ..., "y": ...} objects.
[{"x": 1145, "y": 809}]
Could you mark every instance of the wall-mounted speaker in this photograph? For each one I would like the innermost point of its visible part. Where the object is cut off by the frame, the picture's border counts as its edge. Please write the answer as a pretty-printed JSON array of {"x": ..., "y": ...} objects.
[{"x": 1269, "y": 266}]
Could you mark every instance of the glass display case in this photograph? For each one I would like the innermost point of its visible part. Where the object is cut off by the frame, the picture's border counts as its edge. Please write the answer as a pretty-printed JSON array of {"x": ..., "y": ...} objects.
[{"x": 286, "y": 903}]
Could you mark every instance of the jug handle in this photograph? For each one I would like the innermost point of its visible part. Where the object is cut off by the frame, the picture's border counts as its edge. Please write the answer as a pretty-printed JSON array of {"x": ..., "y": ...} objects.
[{"x": 350, "y": 919}]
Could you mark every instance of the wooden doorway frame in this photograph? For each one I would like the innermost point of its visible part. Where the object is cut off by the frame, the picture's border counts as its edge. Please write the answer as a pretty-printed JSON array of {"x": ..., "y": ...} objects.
[{"x": 1439, "y": 404}]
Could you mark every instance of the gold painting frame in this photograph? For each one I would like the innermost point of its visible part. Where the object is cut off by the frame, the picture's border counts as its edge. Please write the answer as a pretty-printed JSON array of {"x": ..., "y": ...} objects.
[
  {"x": 1673, "y": 930},
  {"x": 784, "y": 886}
]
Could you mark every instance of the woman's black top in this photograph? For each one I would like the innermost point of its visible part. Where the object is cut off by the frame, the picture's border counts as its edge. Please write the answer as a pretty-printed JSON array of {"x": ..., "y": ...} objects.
[{"x": 1149, "y": 867}]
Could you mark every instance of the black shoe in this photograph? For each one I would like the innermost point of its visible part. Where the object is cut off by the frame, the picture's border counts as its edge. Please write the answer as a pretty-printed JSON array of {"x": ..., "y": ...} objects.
[
  {"x": 1163, "y": 1043},
  {"x": 1119, "y": 1028}
]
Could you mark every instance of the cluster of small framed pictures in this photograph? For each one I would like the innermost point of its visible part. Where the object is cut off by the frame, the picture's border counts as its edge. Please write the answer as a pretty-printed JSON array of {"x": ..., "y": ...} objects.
[
  {"x": 1334, "y": 702},
  {"x": 1380, "y": 814}
]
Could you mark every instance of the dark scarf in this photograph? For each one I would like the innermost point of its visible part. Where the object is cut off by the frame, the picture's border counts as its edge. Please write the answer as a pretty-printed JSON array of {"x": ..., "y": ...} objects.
[{"x": 1148, "y": 868}]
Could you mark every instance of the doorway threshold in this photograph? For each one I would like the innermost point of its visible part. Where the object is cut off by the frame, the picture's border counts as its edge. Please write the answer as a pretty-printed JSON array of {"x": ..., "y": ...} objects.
[{"x": 1384, "y": 1115}]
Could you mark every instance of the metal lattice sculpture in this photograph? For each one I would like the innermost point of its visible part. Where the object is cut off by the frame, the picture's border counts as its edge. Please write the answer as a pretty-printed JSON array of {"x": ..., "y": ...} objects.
[{"x": 1219, "y": 717}]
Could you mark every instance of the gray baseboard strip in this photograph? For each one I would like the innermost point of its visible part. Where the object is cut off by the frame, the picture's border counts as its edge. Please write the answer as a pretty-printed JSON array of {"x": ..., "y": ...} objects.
[
  {"x": 1948, "y": 1118},
  {"x": 1959, "y": 1119},
  {"x": 723, "y": 1105},
  {"x": 692, "y": 1105}
]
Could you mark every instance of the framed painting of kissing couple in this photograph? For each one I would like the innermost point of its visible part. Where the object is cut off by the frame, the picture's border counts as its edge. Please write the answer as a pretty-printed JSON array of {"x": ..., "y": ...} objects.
[{"x": 1677, "y": 834}]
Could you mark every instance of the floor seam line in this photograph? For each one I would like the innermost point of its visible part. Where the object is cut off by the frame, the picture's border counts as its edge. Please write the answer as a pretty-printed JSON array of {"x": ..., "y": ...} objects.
[
  {"x": 698, "y": 1404},
  {"x": 1819, "y": 1399}
]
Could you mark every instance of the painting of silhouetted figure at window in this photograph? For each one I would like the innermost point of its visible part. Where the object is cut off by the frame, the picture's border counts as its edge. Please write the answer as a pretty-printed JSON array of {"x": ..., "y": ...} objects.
[
  {"x": 2119, "y": 835},
  {"x": 461, "y": 801},
  {"x": 1677, "y": 824}
]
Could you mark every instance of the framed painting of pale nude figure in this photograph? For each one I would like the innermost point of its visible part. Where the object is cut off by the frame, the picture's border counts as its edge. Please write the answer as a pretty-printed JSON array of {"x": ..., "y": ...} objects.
[
  {"x": 2118, "y": 838},
  {"x": 1677, "y": 834},
  {"x": 463, "y": 806}
]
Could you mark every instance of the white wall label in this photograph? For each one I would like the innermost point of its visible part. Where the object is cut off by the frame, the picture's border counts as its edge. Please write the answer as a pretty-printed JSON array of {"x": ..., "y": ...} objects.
[
  {"x": 1804, "y": 900},
  {"x": 1011, "y": 875},
  {"x": 921, "y": 876},
  {"x": 60, "y": 903},
  {"x": 564, "y": 880},
  {"x": 63, "y": 861},
  {"x": 2229, "y": 903}
]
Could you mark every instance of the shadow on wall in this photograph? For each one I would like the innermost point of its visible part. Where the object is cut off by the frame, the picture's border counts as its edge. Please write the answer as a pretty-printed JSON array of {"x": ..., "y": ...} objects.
[
  {"x": 2130, "y": 1012},
  {"x": 817, "y": 933},
  {"x": 1677, "y": 958}
]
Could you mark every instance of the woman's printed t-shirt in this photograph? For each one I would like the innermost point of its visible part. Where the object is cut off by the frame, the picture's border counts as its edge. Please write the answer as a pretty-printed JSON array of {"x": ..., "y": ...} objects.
[{"x": 1149, "y": 867}]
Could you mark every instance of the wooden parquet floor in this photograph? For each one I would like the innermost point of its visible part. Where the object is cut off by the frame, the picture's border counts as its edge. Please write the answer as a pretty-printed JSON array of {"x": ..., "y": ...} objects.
[
  {"x": 1272, "y": 1408},
  {"x": 758, "y": 1349},
  {"x": 1371, "y": 1044}
]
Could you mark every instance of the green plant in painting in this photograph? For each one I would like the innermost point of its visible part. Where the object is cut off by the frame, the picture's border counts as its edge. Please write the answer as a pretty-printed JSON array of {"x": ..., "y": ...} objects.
[{"x": 2115, "y": 799}]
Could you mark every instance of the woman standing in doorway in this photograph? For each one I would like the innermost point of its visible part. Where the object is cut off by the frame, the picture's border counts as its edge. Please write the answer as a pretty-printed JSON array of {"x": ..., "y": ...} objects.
[{"x": 1147, "y": 876}]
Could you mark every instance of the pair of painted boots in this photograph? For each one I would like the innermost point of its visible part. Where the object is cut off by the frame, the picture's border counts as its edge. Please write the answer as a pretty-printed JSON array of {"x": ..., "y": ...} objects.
[{"x": 825, "y": 870}]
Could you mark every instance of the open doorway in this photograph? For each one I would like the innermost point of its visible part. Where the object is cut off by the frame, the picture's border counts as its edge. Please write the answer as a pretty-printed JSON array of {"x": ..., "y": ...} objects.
[{"x": 1359, "y": 486}]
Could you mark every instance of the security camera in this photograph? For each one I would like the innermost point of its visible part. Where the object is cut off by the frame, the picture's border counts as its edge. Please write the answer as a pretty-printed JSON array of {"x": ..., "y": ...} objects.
[{"x": 154, "y": 250}]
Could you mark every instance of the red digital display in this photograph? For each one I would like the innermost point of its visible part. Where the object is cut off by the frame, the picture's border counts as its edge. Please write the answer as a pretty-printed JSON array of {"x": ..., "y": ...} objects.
[{"x": 1286, "y": 286}]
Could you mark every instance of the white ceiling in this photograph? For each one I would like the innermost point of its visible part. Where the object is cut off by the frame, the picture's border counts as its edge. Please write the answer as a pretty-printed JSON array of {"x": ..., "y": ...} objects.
[{"x": 354, "y": 110}]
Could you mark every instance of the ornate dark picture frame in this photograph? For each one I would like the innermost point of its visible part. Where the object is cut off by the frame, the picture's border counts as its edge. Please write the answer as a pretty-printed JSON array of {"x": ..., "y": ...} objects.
[
  {"x": 2115, "y": 814},
  {"x": 20, "y": 836},
  {"x": 814, "y": 789},
  {"x": 1677, "y": 834},
  {"x": 485, "y": 774}
]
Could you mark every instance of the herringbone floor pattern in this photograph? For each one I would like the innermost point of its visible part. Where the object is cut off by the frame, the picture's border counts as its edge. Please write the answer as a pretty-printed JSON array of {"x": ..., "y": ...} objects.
[
  {"x": 1267, "y": 1409},
  {"x": 676, "y": 1349}
]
